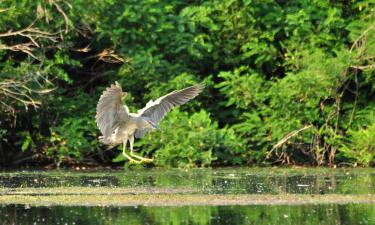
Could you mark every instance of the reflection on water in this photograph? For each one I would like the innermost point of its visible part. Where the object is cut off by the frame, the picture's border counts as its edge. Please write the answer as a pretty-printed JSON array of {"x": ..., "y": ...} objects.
[
  {"x": 273, "y": 214},
  {"x": 208, "y": 181}
]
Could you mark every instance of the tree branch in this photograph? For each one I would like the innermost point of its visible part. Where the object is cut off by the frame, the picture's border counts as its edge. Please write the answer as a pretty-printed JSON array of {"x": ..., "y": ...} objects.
[
  {"x": 20, "y": 92},
  {"x": 287, "y": 137},
  {"x": 31, "y": 33},
  {"x": 356, "y": 42}
]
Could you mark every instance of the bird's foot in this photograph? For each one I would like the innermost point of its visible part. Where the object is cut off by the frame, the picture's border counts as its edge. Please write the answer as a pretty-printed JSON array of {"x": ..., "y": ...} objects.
[
  {"x": 142, "y": 159},
  {"x": 147, "y": 160},
  {"x": 133, "y": 161}
]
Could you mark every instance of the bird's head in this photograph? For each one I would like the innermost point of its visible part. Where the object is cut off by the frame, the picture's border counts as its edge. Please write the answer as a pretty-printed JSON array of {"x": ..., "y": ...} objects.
[{"x": 152, "y": 125}]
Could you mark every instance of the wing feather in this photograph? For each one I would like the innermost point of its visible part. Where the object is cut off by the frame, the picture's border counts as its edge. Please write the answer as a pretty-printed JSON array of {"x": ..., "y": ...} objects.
[
  {"x": 109, "y": 111},
  {"x": 156, "y": 110}
]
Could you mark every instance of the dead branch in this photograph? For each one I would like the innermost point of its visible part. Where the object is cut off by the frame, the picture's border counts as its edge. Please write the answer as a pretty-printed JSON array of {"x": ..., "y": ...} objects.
[
  {"x": 25, "y": 90},
  {"x": 20, "y": 91},
  {"x": 364, "y": 68},
  {"x": 26, "y": 48},
  {"x": 287, "y": 137},
  {"x": 31, "y": 33},
  {"x": 359, "y": 39},
  {"x": 360, "y": 43},
  {"x": 42, "y": 11},
  {"x": 108, "y": 56},
  {"x": 61, "y": 11}
]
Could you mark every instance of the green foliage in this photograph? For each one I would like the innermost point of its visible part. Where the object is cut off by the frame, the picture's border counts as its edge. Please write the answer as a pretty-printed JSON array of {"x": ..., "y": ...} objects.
[
  {"x": 270, "y": 67},
  {"x": 236, "y": 87},
  {"x": 189, "y": 141},
  {"x": 73, "y": 139},
  {"x": 359, "y": 146},
  {"x": 75, "y": 136}
]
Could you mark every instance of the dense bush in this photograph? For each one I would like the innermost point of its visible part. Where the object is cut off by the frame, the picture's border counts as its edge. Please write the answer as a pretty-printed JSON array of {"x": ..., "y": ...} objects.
[
  {"x": 286, "y": 81},
  {"x": 195, "y": 140}
]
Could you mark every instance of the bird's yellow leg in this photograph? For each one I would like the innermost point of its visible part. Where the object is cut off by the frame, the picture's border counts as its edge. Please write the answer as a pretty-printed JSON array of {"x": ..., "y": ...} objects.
[
  {"x": 131, "y": 160},
  {"x": 131, "y": 141}
]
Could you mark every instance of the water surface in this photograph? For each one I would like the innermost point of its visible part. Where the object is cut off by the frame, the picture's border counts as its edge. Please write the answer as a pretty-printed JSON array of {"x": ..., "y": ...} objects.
[
  {"x": 274, "y": 214},
  {"x": 197, "y": 196},
  {"x": 207, "y": 181}
]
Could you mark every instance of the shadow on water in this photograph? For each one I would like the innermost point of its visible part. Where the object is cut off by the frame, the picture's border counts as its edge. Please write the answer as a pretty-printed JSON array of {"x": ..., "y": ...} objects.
[
  {"x": 208, "y": 181},
  {"x": 255, "y": 214}
]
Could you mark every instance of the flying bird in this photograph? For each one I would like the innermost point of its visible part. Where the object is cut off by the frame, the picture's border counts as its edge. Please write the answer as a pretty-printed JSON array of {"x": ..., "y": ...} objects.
[{"x": 118, "y": 125}]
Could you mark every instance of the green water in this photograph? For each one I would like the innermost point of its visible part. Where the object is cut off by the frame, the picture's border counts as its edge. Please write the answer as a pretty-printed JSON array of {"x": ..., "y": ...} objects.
[
  {"x": 303, "y": 214},
  {"x": 207, "y": 182}
]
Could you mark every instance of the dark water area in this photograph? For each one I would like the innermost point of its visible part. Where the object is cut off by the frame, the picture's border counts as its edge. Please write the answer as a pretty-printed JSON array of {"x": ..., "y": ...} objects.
[{"x": 263, "y": 214}]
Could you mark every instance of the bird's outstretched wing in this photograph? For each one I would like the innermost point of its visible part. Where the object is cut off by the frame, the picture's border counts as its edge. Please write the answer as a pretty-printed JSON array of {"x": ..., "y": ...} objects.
[
  {"x": 109, "y": 111},
  {"x": 156, "y": 110}
]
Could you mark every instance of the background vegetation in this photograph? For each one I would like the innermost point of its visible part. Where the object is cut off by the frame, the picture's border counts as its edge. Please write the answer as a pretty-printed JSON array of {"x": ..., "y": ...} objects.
[{"x": 288, "y": 82}]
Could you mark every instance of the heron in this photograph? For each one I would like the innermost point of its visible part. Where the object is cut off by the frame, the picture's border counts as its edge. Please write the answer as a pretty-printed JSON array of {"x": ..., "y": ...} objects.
[{"x": 119, "y": 126}]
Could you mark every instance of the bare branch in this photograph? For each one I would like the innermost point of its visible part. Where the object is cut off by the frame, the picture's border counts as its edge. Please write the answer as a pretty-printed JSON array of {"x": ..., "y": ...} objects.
[
  {"x": 109, "y": 56},
  {"x": 287, "y": 137},
  {"x": 66, "y": 18},
  {"x": 363, "y": 34},
  {"x": 31, "y": 33},
  {"x": 27, "y": 88},
  {"x": 24, "y": 47},
  {"x": 19, "y": 91},
  {"x": 364, "y": 68}
]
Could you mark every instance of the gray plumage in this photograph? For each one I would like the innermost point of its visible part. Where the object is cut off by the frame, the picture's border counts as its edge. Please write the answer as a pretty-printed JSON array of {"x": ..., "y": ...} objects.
[{"x": 118, "y": 125}]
